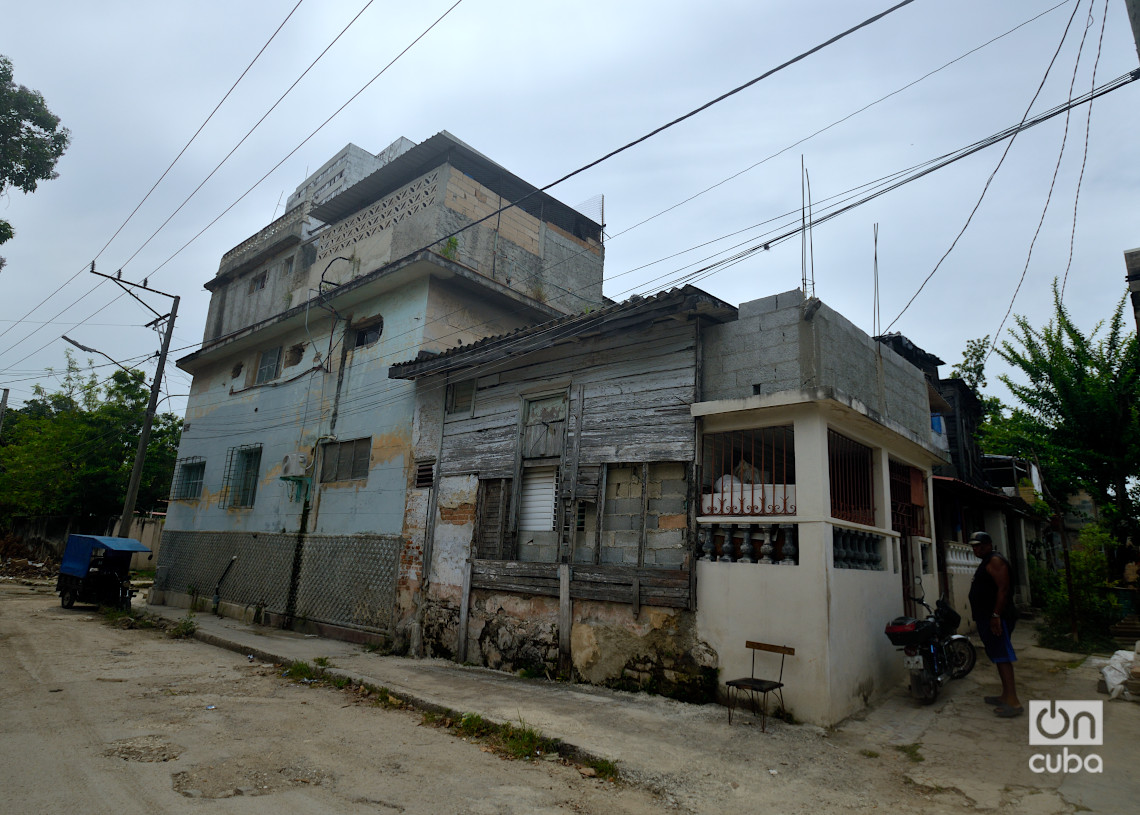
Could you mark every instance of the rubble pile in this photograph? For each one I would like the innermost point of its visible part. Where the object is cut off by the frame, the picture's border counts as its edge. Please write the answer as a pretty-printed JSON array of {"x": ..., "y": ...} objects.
[{"x": 15, "y": 564}]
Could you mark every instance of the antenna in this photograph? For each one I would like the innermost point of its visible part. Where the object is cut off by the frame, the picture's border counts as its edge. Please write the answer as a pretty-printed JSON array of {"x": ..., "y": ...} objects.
[
  {"x": 876, "y": 319},
  {"x": 811, "y": 240},
  {"x": 803, "y": 229}
]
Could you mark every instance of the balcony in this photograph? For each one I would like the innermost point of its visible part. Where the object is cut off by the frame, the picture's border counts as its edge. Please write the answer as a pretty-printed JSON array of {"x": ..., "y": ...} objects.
[{"x": 288, "y": 229}]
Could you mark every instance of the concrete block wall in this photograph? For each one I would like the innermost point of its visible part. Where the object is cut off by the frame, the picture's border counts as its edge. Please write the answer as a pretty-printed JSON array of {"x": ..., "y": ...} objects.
[
  {"x": 666, "y": 519},
  {"x": 771, "y": 348}
]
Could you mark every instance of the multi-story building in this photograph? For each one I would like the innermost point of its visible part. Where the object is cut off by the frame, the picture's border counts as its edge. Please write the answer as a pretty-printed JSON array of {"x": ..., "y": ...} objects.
[{"x": 289, "y": 499}]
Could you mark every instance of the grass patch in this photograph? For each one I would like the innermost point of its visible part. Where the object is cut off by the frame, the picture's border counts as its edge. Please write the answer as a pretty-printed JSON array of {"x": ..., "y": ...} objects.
[
  {"x": 911, "y": 752},
  {"x": 322, "y": 662},
  {"x": 519, "y": 742},
  {"x": 869, "y": 753},
  {"x": 606, "y": 769},
  {"x": 300, "y": 669},
  {"x": 184, "y": 628},
  {"x": 126, "y": 618}
]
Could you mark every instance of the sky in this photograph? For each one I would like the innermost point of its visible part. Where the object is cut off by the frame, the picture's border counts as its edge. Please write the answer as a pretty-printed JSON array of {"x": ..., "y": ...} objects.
[{"x": 546, "y": 88}]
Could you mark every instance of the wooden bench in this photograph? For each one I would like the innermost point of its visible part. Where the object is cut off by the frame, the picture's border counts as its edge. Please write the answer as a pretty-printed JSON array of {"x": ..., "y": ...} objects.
[{"x": 753, "y": 685}]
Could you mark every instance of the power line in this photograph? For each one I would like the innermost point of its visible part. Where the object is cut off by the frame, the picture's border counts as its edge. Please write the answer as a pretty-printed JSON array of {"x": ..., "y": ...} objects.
[
  {"x": 246, "y": 193},
  {"x": 168, "y": 169},
  {"x": 989, "y": 180},
  {"x": 1085, "y": 156},
  {"x": 1052, "y": 184}
]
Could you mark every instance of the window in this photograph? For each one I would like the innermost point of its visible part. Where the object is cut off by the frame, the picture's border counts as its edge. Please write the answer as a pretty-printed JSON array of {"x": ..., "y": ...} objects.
[
  {"x": 268, "y": 365},
  {"x": 188, "y": 476},
  {"x": 345, "y": 460},
  {"x": 749, "y": 472},
  {"x": 850, "y": 469},
  {"x": 239, "y": 486},
  {"x": 257, "y": 282},
  {"x": 461, "y": 398},
  {"x": 369, "y": 334},
  {"x": 492, "y": 541},
  {"x": 539, "y": 488}
]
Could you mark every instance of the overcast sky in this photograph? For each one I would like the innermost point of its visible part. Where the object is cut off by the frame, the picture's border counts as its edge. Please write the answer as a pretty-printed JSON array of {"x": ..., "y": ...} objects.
[{"x": 546, "y": 87}]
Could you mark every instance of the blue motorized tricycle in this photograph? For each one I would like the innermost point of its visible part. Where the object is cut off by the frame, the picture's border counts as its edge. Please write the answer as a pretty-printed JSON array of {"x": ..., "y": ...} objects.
[{"x": 96, "y": 569}]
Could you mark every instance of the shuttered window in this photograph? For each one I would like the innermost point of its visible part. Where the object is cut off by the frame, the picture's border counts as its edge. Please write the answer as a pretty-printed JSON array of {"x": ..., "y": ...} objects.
[
  {"x": 491, "y": 540},
  {"x": 346, "y": 460},
  {"x": 536, "y": 512}
]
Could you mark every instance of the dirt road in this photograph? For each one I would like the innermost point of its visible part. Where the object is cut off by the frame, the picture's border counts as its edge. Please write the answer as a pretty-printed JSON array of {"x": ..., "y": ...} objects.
[{"x": 99, "y": 720}]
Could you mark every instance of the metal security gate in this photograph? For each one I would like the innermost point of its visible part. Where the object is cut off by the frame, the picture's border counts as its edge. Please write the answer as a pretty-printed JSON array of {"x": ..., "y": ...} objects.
[{"x": 343, "y": 580}]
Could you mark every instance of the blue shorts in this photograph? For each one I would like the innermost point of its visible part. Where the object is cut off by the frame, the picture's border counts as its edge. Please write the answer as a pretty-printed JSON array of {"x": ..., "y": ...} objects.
[{"x": 998, "y": 649}]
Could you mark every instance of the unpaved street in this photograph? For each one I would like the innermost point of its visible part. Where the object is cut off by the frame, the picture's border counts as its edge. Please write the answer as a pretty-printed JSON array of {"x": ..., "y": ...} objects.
[{"x": 98, "y": 720}]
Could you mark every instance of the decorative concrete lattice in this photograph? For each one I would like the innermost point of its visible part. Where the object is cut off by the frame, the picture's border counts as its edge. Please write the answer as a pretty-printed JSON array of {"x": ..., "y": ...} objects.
[
  {"x": 347, "y": 580},
  {"x": 385, "y": 213}
]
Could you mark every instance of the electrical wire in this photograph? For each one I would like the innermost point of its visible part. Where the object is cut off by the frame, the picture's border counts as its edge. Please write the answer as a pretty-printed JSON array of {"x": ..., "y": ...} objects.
[
  {"x": 989, "y": 180},
  {"x": 170, "y": 167},
  {"x": 1085, "y": 156},
  {"x": 243, "y": 195},
  {"x": 1049, "y": 196}
]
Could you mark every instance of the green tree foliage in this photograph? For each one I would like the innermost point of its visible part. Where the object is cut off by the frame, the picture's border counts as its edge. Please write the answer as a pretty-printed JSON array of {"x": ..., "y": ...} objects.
[
  {"x": 972, "y": 368},
  {"x": 1093, "y": 607},
  {"x": 70, "y": 452},
  {"x": 1077, "y": 413},
  {"x": 31, "y": 140}
]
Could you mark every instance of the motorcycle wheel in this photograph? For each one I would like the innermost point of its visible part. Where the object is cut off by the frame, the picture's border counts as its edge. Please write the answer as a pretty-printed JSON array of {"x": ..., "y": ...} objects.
[
  {"x": 67, "y": 598},
  {"x": 962, "y": 657},
  {"x": 924, "y": 688}
]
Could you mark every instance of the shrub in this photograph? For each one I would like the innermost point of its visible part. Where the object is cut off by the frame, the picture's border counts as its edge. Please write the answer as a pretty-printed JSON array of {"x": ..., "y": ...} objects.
[{"x": 1094, "y": 607}]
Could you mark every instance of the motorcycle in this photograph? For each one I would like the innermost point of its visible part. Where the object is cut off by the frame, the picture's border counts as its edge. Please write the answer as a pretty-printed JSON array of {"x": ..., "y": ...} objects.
[{"x": 933, "y": 651}]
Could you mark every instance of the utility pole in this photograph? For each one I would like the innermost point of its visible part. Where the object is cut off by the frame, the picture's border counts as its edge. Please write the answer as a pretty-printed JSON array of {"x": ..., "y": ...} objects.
[
  {"x": 3, "y": 408},
  {"x": 156, "y": 386},
  {"x": 1132, "y": 276}
]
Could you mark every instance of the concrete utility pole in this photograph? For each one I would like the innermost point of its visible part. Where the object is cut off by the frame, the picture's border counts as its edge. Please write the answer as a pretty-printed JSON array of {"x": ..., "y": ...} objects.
[
  {"x": 156, "y": 386},
  {"x": 3, "y": 408},
  {"x": 144, "y": 436}
]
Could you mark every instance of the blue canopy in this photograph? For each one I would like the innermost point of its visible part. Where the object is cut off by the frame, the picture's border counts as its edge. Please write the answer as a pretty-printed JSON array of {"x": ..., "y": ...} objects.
[{"x": 77, "y": 555}]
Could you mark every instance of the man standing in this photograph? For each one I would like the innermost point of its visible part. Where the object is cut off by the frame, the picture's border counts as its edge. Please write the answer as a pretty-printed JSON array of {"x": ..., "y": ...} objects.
[{"x": 994, "y": 615}]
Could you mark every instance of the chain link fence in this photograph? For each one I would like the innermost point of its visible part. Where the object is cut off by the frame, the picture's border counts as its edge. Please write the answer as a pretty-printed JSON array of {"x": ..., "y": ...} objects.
[{"x": 346, "y": 580}]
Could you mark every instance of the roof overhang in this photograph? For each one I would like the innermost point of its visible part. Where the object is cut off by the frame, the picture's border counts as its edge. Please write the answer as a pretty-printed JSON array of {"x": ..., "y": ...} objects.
[
  {"x": 344, "y": 297},
  {"x": 783, "y": 405},
  {"x": 685, "y": 304},
  {"x": 443, "y": 148}
]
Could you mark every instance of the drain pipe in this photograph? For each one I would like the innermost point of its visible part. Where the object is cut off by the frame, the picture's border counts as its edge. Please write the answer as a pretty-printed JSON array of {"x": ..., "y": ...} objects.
[{"x": 218, "y": 586}]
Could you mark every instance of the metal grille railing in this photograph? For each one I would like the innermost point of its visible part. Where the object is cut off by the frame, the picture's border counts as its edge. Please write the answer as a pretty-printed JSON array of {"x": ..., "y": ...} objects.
[
  {"x": 851, "y": 473},
  {"x": 347, "y": 580},
  {"x": 749, "y": 472}
]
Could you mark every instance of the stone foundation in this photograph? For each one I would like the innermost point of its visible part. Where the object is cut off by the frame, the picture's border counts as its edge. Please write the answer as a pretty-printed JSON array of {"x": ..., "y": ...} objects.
[{"x": 658, "y": 652}]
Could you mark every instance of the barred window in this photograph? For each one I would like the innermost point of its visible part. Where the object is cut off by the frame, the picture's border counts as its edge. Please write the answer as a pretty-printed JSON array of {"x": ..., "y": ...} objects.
[
  {"x": 268, "y": 365},
  {"x": 851, "y": 472},
  {"x": 344, "y": 460},
  {"x": 189, "y": 474},
  {"x": 239, "y": 486}
]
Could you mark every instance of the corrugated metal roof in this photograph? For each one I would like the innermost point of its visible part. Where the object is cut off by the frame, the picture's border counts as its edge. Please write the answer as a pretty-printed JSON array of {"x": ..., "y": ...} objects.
[
  {"x": 443, "y": 148},
  {"x": 566, "y": 327}
]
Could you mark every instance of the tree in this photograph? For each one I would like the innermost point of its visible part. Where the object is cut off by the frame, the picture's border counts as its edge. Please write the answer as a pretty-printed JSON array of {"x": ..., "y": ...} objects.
[
  {"x": 1078, "y": 412},
  {"x": 70, "y": 452},
  {"x": 972, "y": 368},
  {"x": 31, "y": 140}
]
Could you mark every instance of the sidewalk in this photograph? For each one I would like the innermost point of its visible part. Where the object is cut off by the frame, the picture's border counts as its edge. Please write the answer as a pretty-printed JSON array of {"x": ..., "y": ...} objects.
[{"x": 695, "y": 760}]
